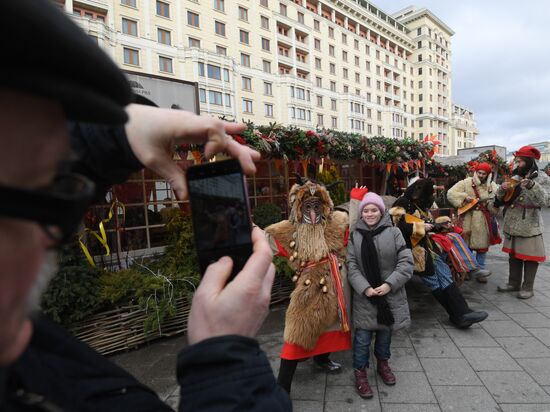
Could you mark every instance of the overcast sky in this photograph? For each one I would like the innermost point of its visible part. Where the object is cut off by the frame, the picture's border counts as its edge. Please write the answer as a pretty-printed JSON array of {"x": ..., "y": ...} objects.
[{"x": 500, "y": 64}]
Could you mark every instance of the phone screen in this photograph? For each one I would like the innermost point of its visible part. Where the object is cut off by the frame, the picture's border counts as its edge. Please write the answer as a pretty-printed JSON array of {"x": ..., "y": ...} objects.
[{"x": 220, "y": 211}]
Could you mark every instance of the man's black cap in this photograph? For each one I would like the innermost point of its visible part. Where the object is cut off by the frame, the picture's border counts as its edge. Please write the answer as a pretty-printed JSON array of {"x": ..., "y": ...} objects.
[{"x": 46, "y": 54}]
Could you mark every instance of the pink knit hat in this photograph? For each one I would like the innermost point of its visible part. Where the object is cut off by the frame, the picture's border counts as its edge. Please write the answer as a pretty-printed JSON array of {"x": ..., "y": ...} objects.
[{"x": 372, "y": 199}]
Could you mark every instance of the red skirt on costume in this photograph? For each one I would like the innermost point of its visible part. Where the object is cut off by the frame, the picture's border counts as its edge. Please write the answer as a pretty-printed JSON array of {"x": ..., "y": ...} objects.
[{"x": 331, "y": 341}]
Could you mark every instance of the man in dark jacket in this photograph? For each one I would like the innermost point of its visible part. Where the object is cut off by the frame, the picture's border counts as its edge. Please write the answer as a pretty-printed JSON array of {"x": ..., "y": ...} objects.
[{"x": 54, "y": 74}]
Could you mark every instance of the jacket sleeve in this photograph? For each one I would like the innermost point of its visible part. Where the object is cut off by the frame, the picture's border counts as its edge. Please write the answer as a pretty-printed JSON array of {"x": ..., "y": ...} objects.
[
  {"x": 358, "y": 282},
  {"x": 537, "y": 195},
  {"x": 104, "y": 154},
  {"x": 405, "y": 265},
  {"x": 457, "y": 194},
  {"x": 228, "y": 373}
]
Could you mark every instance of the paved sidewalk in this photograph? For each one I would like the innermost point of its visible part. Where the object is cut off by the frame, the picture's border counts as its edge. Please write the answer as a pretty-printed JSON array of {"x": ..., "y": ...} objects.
[{"x": 501, "y": 364}]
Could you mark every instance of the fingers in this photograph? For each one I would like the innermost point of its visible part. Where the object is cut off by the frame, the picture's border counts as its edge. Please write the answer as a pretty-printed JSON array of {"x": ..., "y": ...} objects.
[
  {"x": 216, "y": 276},
  {"x": 244, "y": 154},
  {"x": 166, "y": 167},
  {"x": 268, "y": 283}
]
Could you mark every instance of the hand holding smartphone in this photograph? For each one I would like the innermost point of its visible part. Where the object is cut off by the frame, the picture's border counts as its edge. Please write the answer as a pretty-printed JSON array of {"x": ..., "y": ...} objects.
[{"x": 220, "y": 213}]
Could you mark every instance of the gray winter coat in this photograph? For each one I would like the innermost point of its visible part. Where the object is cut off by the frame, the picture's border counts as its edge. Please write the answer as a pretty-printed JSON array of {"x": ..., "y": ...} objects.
[
  {"x": 396, "y": 266},
  {"x": 519, "y": 221}
]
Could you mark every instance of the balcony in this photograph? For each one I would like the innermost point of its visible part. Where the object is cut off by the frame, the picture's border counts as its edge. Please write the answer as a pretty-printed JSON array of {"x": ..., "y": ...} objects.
[{"x": 96, "y": 5}]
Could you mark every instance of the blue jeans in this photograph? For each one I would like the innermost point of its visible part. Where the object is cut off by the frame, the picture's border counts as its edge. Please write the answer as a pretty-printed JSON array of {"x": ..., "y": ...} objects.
[
  {"x": 361, "y": 346},
  {"x": 442, "y": 276},
  {"x": 480, "y": 257}
]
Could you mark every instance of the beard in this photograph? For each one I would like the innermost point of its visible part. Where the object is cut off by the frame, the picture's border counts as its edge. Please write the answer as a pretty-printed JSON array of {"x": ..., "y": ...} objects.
[
  {"x": 48, "y": 270},
  {"x": 310, "y": 242}
]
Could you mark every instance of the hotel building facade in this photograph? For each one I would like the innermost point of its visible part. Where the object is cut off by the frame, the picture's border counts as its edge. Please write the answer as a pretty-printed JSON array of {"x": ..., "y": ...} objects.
[{"x": 338, "y": 64}]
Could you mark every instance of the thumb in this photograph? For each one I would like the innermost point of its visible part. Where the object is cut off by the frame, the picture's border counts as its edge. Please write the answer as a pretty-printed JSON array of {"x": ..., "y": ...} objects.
[{"x": 216, "y": 276}]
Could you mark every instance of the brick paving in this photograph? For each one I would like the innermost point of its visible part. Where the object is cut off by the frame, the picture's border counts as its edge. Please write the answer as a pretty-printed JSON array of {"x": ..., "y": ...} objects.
[{"x": 501, "y": 364}]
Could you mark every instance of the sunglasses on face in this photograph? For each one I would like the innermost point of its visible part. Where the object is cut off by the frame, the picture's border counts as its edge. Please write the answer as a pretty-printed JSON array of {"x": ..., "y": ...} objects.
[{"x": 58, "y": 208}]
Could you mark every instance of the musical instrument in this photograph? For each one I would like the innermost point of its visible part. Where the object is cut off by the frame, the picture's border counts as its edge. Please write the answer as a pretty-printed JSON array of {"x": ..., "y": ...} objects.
[
  {"x": 467, "y": 207},
  {"x": 514, "y": 187}
]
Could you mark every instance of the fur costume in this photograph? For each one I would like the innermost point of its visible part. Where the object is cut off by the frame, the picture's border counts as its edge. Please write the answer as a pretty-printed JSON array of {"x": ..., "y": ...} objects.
[
  {"x": 474, "y": 222},
  {"x": 314, "y": 241}
]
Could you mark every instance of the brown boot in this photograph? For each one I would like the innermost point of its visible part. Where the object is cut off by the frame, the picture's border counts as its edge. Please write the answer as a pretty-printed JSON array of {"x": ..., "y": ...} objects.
[
  {"x": 514, "y": 277},
  {"x": 362, "y": 383},
  {"x": 384, "y": 370}
]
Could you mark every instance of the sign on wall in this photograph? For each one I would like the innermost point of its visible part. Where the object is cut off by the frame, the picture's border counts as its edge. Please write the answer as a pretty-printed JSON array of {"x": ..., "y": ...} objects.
[{"x": 164, "y": 92}]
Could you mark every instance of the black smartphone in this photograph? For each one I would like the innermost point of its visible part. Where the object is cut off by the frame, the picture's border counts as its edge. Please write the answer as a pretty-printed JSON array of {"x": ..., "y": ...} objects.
[{"x": 220, "y": 213}]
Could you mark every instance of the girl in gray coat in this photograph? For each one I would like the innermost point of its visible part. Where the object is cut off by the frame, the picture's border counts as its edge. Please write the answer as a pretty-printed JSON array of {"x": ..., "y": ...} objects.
[{"x": 379, "y": 265}]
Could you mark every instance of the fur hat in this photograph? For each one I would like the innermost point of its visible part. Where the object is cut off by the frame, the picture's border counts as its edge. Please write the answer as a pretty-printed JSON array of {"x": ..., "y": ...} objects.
[
  {"x": 421, "y": 193},
  {"x": 372, "y": 199},
  {"x": 51, "y": 57},
  {"x": 443, "y": 219}
]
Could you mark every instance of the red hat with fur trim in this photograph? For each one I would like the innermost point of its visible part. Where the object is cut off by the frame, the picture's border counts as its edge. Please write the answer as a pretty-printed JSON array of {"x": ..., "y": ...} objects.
[
  {"x": 486, "y": 167},
  {"x": 528, "y": 151}
]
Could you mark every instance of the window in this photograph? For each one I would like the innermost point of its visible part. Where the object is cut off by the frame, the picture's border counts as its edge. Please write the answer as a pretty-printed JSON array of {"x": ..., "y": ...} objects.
[
  {"x": 265, "y": 44},
  {"x": 334, "y": 122},
  {"x": 419, "y": 31},
  {"x": 319, "y": 82},
  {"x": 331, "y": 32},
  {"x": 419, "y": 70},
  {"x": 264, "y": 22},
  {"x": 264, "y": 3},
  {"x": 316, "y": 25},
  {"x": 419, "y": 45},
  {"x": 219, "y": 5},
  {"x": 282, "y": 9},
  {"x": 368, "y": 81},
  {"x": 317, "y": 63},
  {"x": 344, "y": 39},
  {"x": 222, "y": 51},
  {"x": 319, "y": 101},
  {"x": 266, "y": 65},
  {"x": 194, "y": 42},
  {"x": 244, "y": 37},
  {"x": 202, "y": 95},
  {"x": 357, "y": 61},
  {"x": 247, "y": 106},
  {"x": 215, "y": 97},
  {"x": 419, "y": 57},
  {"x": 131, "y": 3},
  {"x": 420, "y": 84},
  {"x": 268, "y": 110},
  {"x": 227, "y": 100},
  {"x": 345, "y": 56},
  {"x": 243, "y": 13},
  {"x": 331, "y": 50},
  {"x": 165, "y": 64},
  {"x": 317, "y": 44},
  {"x": 220, "y": 28},
  {"x": 345, "y": 73},
  {"x": 131, "y": 56},
  {"x": 268, "y": 89},
  {"x": 332, "y": 68},
  {"x": 192, "y": 19},
  {"x": 163, "y": 9},
  {"x": 164, "y": 36},
  {"x": 357, "y": 78},
  {"x": 247, "y": 83},
  {"x": 300, "y": 17},
  {"x": 245, "y": 60},
  {"x": 129, "y": 27},
  {"x": 332, "y": 86},
  {"x": 214, "y": 72},
  {"x": 332, "y": 104},
  {"x": 319, "y": 119}
]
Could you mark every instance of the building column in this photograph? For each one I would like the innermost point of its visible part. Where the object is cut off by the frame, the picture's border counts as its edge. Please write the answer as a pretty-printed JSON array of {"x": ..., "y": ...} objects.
[{"x": 69, "y": 6}]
